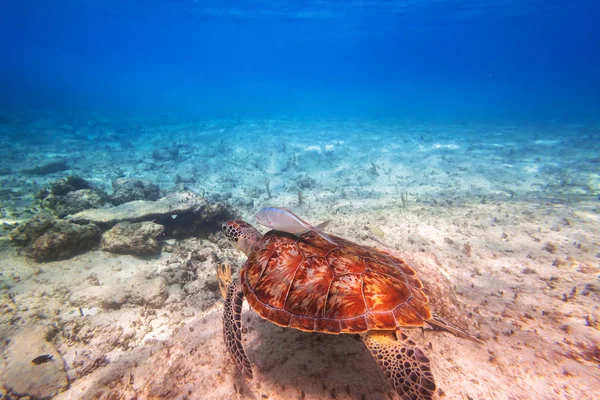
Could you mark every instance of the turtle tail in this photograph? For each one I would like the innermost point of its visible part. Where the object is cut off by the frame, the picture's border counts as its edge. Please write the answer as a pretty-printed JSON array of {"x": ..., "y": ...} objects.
[{"x": 439, "y": 324}]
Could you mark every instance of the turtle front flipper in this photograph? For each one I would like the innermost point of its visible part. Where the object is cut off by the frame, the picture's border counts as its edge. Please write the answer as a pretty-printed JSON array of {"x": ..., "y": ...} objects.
[
  {"x": 403, "y": 363},
  {"x": 224, "y": 278},
  {"x": 232, "y": 326}
]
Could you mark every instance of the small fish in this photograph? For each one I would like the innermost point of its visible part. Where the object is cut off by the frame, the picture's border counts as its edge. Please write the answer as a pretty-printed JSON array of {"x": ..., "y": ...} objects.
[
  {"x": 284, "y": 220},
  {"x": 44, "y": 358}
]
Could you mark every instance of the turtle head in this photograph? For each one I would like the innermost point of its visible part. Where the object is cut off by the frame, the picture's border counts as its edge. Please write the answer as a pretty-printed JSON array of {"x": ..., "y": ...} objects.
[{"x": 242, "y": 235}]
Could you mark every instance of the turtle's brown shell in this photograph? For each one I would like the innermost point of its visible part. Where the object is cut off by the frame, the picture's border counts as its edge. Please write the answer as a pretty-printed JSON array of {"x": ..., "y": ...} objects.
[{"x": 312, "y": 285}]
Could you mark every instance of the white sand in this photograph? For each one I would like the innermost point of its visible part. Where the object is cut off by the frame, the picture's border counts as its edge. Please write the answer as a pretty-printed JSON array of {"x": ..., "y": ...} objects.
[{"x": 537, "y": 344}]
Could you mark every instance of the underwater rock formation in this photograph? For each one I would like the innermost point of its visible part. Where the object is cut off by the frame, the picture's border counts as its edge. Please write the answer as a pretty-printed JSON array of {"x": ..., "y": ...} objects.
[
  {"x": 127, "y": 189},
  {"x": 47, "y": 239},
  {"x": 69, "y": 184},
  {"x": 182, "y": 214},
  {"x": 31, "y": 356},
  {"x": 74, "y": 202},
  {"x": 137, "y": 238},
  {"x": 71, "y": 195}
]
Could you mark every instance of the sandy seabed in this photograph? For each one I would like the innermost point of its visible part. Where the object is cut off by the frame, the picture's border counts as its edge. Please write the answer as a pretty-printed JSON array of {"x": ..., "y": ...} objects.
[{"x": 522, "y": 267}]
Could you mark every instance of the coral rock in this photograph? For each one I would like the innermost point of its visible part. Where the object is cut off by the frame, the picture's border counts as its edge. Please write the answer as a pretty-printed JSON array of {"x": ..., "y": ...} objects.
[
  {"x": 69, "y": 184},
  {"x": 126, "y": 190},
  {"x": 132, "y": 238},
  {"x": 49, "y": 239},
  {"x": 182, "y": 214},
  {"x": 74, "y": 202}
]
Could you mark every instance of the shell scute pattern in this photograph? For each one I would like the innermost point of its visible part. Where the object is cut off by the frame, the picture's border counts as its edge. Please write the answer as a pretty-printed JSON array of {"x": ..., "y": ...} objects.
[
  {"x": 279, "y": 317},
  {"x": 356, "y": 324},
  {"x": 381, "y": 320},
  {"x": 316, "y": 275},
  {"x": 303, "y": 323},
  {"x": 345, "y": 297},
  {"x": 310, "y": 284},
  {"x": 344, "y": 262},
  {"x": 277, "y": 274},
  {"x": 257, "y": 261},
  {"x": 313, "y": 245},
  {"x": 383, "y": 292},
  {"x": 407, "y": 316},
  {"x": 388, "y": 269},
  {"x": 329, "y": 325}
]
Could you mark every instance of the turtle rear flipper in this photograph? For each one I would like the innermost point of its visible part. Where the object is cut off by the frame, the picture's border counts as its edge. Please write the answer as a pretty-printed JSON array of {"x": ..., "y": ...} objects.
[
  {"x": 403, "y": 363},
  {"x": 232, "y": 327}
]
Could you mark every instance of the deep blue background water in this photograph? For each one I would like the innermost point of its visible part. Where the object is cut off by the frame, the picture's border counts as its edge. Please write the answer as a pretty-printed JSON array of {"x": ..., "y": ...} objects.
[{"x": 455, "y": 59}]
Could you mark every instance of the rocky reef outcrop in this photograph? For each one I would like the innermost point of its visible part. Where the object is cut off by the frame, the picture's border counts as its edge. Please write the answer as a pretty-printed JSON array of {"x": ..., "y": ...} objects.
[
  {"x": 129, "y": 189},
  {"x": 45, "y": 238},
  {"x": 71, "y": 195},
  {"x": 137, "y": 238},
  {"x": 74, "y": 202},
  {"x": 183, "y": 214}
]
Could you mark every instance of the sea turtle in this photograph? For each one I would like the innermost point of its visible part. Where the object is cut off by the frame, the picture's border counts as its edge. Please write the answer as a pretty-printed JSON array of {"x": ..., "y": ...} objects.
[{"x": 308, "y": 283}]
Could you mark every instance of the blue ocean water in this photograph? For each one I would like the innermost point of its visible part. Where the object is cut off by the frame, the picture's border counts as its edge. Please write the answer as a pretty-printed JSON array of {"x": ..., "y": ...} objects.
[
  {"x": 298, "y": 89},
  {"x": 454, "y": 59}
]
